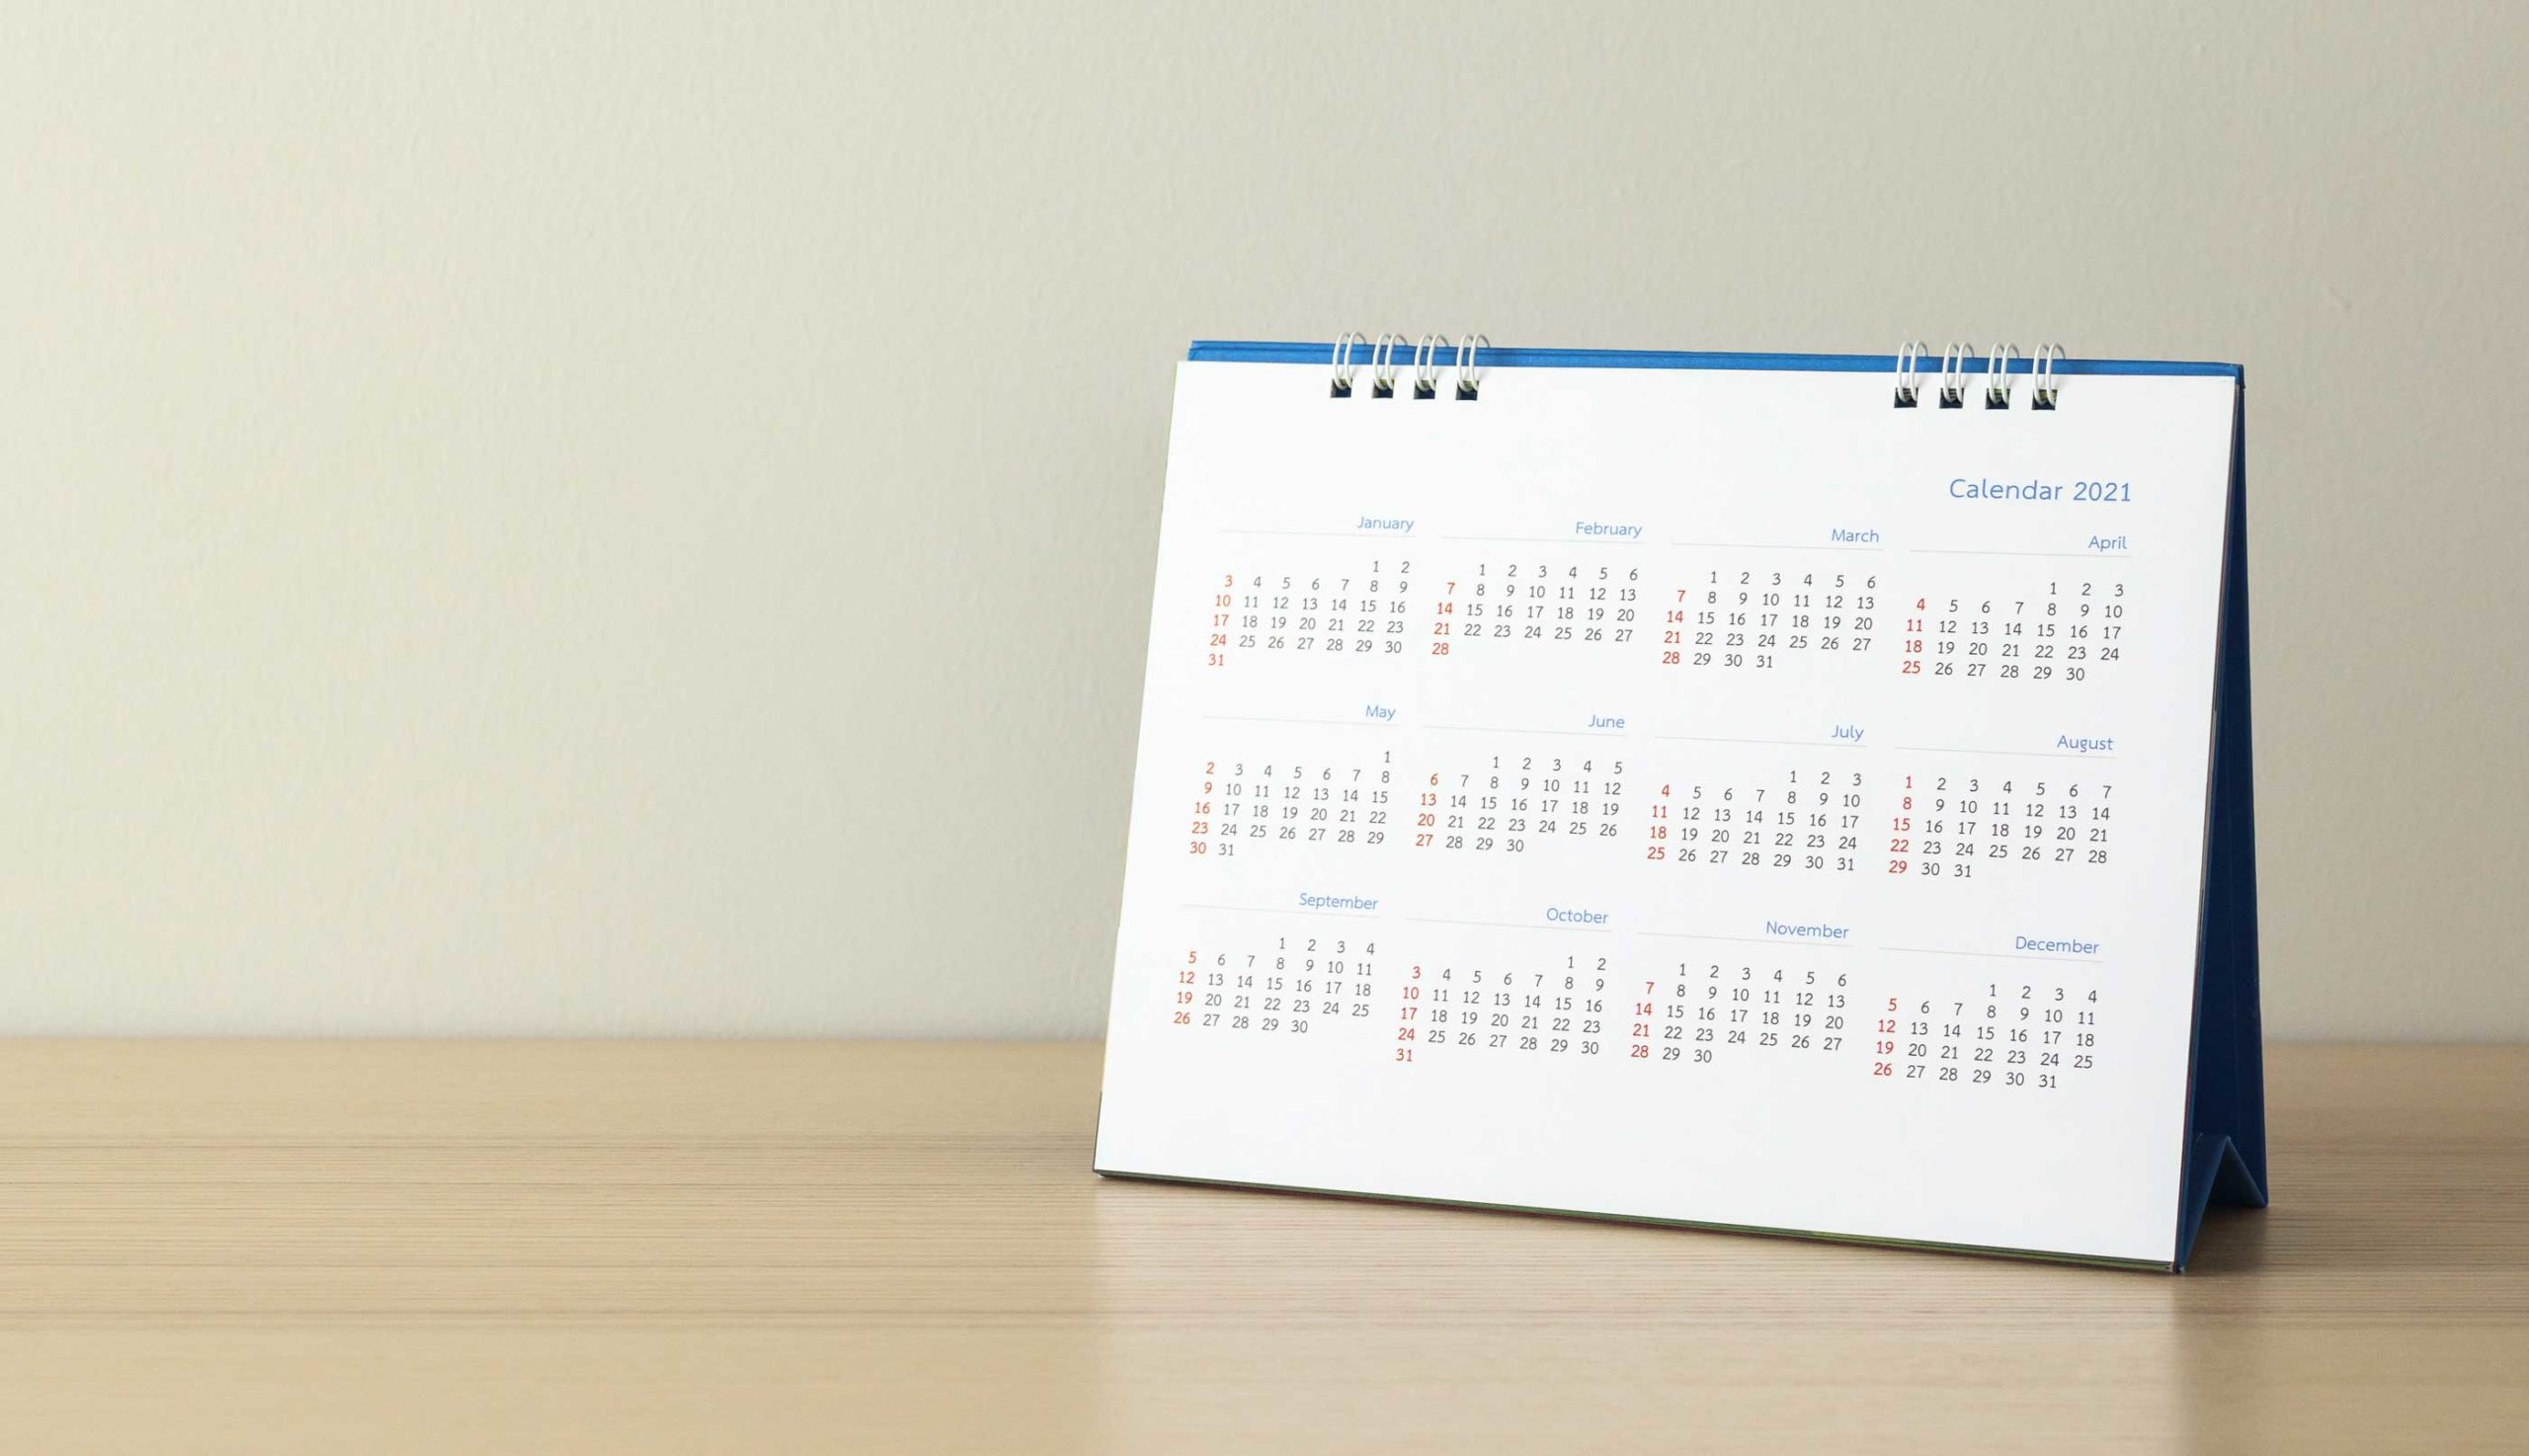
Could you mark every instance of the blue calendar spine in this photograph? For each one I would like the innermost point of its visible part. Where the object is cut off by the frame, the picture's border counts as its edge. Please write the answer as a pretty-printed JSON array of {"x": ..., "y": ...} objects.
[{"x": 2225, "y": 1143}]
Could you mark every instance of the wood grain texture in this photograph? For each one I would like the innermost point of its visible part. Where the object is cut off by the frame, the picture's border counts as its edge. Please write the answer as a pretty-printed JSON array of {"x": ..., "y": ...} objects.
[{"x": 629, "y": 1247}]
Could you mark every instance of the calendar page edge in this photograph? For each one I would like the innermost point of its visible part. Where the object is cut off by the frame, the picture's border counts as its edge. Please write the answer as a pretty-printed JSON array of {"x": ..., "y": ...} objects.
[{"x": 1708, "y": 1226}]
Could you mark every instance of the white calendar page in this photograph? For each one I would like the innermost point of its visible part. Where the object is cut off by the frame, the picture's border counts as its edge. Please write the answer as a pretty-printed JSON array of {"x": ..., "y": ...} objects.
[{"x": 1704, "y": 795}]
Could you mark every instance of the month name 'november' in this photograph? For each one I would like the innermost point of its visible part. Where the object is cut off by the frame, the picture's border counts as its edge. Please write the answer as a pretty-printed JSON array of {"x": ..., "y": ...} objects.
[{"x": 1808, "y": 932}]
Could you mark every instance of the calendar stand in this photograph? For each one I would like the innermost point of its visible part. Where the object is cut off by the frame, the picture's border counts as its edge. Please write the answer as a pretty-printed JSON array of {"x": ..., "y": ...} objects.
[
  {"x": 1644, "y": 787},
  {"x": 2226, "y": 1104}
]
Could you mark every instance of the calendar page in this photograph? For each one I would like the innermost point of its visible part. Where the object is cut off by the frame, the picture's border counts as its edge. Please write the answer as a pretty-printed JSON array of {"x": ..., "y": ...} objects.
[{"x": 1689, "y": 794}]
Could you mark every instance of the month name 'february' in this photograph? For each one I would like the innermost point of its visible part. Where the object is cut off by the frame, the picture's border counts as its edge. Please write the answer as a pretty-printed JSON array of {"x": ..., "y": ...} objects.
[{"x": 1605, "y": 529}]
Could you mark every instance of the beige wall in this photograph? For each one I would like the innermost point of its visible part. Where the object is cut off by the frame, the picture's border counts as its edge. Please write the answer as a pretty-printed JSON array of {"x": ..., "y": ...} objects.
[{"x": 637, "y": 518}]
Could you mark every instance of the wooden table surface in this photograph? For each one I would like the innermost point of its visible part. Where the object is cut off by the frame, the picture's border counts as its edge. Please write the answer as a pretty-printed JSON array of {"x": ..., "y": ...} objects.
[{"x": 385, "y": 1246}]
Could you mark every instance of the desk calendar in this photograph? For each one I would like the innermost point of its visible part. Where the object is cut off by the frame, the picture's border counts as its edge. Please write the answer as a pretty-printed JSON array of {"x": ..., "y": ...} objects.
[{"x": 1789, "y": 793}]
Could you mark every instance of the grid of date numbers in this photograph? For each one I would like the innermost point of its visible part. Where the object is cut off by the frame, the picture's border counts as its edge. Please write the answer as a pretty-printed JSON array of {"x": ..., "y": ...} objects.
[
  {"x": 1352, "y": 609},
  {"x": 2035, "y": 1035},
  {"x": 1704, "y": 1013},
  {"x": 1251, "y": 806},
  {"x": 1486, "y": 609},
  {"x": 1765, "y": 820},
  {"x": 1963, "y": 826},
  {"x": 2055, "y": 629},
  {"x": 1276, "y": 985},
  {"x": 1769, "y": 615},
  {"x": 1465, "y": 1007},
  {"x": 1519, "y": 803}
]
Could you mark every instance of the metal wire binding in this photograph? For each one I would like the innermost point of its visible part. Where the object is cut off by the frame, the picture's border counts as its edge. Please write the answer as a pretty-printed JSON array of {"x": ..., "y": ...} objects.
[
  {"x": 1953, "y": 374},
  {"x": 1383, "y": 365},
  {"x": 2045, "y": 381},
  {"x": 1427, "y": 366},
  {"x": 1910, "y": 375},
  {"x": 1470, "y": 369},
  {"x": 1344, "y": 366},
  {"x": 1997, "y": 375}
]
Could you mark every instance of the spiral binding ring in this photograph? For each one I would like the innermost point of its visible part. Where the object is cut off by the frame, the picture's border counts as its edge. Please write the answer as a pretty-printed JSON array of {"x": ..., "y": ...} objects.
[
  {"x": 1342, "y": 364},
  {"x": 1997, "y": 375},
  {"x": 1386, "y": 363},
  {"x": 1910, "y": 375},
  {"x": 1383, "y": 366},
  {"x": 2044, "y": 382},
  {"x": 1427, "y": 366},
  {"x": 1470, "y": 371},
  {"x": 1953, "y": 374}
]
